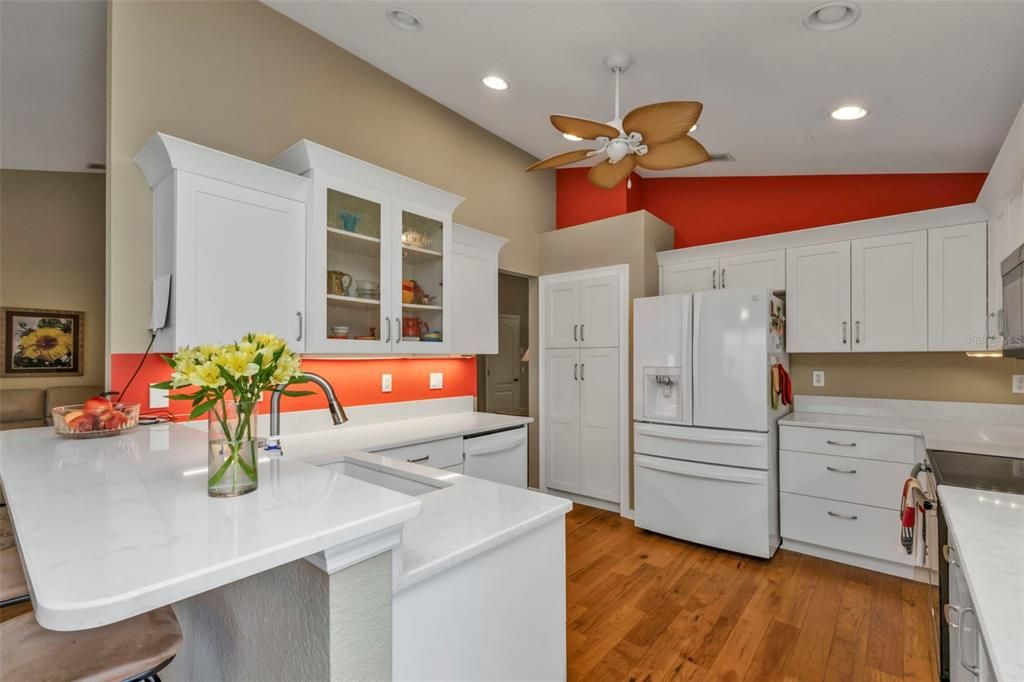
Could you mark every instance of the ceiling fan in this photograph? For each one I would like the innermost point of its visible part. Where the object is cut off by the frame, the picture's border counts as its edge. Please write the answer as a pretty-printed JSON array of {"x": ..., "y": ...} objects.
[{"x": 654, "y": 136}]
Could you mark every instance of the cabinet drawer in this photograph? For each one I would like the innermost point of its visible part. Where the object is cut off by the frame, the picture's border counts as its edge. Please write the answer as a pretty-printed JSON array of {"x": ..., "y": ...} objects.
[
  {"x": 438, "y": 454},
  {"x": 858, "y": 444},
  {"x": 862, "y": 481},
  {"x": 853, "y": 528}
]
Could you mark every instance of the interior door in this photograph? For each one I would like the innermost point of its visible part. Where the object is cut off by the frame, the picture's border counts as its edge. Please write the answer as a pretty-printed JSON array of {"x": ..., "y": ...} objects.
[
  {"x": 227, "y": 299},
  {"x": 765, "y": 269},
  {"x": 730, "y": 360},
  {"x": 599, "y": 423},
  {"x": 818, "y": 298},
  {"x": 683, "y": 278},
  {"x": 502, "y": 380},
  {"x": 957, "y": 304},
  {"x": 562, "y": 315},
  {"x": 889, "y": 298},
  {"x": 561, "y": 427},
  {"x": 599, "y": 312}
]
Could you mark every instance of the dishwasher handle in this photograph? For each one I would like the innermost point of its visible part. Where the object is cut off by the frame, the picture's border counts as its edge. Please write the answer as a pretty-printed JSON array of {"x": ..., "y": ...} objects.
[{"x": 493, "y": 442}]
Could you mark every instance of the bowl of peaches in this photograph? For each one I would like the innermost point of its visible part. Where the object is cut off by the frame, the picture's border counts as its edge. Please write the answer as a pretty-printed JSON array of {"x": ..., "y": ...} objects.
[{"x": 96, "y": 418}]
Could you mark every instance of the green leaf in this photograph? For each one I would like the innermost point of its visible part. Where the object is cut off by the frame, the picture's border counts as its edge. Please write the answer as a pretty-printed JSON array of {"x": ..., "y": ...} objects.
[
  {"x": 184, "y": 396},
  {"x": 200, "y": 410},
  {"x": 168, "y": 359},
  {"x": 164, "y": 385}
]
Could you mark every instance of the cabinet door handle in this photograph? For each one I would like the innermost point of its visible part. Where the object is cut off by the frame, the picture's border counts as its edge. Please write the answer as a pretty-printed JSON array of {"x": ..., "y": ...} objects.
[
  {"x": 582, "y": 327},
  {"x": 972, "y": 669},
  {"x": 950, "y": 612},
  {"x": 844, "y": 332},
  {"x": 575, "y": 372},
  {"x": 575, "y": 327},
  {"x": 856, "y": 331},
  {"x": 387, "y": 323},
  {"x": 841, "y": 471},
  {"x": 299, "y": 316},
  {"x": 418, "y": 460},
  {"x": 723, "y": 278},
  {"x": 846, "y": 517},
  {"x": 714, "y": 279},
  {"x": 842, "y": 445},
  {"x": 582, "y": 375}
]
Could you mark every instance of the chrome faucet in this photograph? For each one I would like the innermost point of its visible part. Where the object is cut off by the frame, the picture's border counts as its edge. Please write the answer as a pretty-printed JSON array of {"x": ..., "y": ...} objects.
[{"x": 338, "y": 415}]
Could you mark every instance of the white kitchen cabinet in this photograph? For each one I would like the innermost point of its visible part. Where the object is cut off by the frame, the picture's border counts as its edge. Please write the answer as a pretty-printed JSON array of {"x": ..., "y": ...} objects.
[
  {"x": 561, "y": 429},
  {"x": 764, "y": 269},
  {"x": 1005, "y": 233},
  {"x": 957, "y": 301},
  {"x": 230, "y": 233},
  {"x": 686, "y": 276},
  {"x": 379, "y": 257},
  {"x": 583, "y": 366},
  {"x": 818, "y": 298},
  {"x": 889, "y": 292},
  {"x": 474, "y": 291}
]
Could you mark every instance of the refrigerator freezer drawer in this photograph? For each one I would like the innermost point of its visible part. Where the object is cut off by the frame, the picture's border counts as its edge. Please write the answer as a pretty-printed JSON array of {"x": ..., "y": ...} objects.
[
  {"x": 713, "y": 446},
  {"x": 722, "y": 507}
]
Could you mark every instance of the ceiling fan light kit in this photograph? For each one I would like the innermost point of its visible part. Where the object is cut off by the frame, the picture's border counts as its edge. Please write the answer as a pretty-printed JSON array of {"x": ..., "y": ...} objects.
[{"x": 654, "y": 136}]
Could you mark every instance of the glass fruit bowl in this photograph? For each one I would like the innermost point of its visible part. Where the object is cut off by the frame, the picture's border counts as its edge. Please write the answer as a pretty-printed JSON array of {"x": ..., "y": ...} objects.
[{"x": 95, "y": 419}]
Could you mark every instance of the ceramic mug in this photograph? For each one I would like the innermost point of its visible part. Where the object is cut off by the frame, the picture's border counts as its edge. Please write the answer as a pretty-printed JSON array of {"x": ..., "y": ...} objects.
[{"x": 349, "y": 221}]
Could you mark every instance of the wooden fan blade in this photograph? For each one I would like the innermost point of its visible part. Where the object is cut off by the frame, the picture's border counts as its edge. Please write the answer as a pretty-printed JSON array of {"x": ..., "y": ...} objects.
[
  {"x": 560, "y": 159},
  {"x": 675, "y": 154},
  {"x": 584, "y": 127},
  {"x": 607, "y": 174},
  {"x": 663, "y": 121}
]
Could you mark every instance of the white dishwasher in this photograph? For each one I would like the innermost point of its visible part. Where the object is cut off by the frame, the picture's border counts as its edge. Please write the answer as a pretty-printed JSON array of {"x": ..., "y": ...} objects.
[{"x": 498, "y": 456}]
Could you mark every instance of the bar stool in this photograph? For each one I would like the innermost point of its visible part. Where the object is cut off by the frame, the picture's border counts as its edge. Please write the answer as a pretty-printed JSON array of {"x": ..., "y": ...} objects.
[{"x": 131, "y": 650}]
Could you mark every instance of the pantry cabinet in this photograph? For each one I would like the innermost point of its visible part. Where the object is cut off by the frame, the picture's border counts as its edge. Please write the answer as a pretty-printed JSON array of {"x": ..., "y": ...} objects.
[
  {"x": 818, "y": 298},
  {"x": 889, "y": 292},
  {"x": 582, "y": 313},
  {"x": 230, "y": 236},
  {"x": 378, "y": 258}
]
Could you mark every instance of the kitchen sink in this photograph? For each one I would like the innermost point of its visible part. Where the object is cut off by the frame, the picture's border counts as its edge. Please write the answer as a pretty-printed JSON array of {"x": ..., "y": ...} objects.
[{"x": 385, "y": 477}]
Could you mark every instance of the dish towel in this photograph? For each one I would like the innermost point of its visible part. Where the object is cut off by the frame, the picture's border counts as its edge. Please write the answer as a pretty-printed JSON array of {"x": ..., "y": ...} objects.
[{"x": 911, "y": 504}]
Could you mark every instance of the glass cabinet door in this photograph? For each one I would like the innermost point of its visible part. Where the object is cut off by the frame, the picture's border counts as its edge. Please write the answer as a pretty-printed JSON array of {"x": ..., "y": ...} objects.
[
  {"x": 425, "y": 239},
  {"x": 355, "y": 285}
]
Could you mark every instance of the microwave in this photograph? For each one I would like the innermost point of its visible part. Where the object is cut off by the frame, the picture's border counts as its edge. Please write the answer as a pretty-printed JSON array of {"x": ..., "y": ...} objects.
[{"x": 1012, "y": 270}]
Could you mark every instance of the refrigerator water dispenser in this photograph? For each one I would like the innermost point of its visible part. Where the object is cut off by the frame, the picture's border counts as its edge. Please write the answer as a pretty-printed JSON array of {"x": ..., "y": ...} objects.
[{"x": 662, "y": 394}]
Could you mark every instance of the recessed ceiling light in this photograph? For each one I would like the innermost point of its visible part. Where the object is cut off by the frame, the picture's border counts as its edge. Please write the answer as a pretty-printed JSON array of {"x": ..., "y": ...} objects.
[
  {"x": 849, "y": 113},
  {"x": 404, "y": 19},
  {"x": 832, "y": 16},
  {"x": 571, "y": 137},
  {"x": 495, "y": 83}
]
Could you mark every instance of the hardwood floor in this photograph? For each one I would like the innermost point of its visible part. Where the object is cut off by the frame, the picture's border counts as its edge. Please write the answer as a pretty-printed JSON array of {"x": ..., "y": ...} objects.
[{"x": 646, "y": 607}]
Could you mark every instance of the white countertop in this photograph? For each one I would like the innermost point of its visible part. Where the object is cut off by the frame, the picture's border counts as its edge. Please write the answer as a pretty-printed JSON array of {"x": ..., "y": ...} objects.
[
  {"x": 988, "y": 529},
  {"x": 986, "y": 439}
]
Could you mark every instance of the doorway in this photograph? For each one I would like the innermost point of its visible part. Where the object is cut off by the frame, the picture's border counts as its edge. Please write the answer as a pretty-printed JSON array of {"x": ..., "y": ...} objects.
[{"x": 503, "y": 379}]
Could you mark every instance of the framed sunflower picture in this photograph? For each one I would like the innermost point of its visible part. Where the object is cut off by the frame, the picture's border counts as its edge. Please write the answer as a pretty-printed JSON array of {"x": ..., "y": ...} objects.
[{"x": 42, "y": 342}]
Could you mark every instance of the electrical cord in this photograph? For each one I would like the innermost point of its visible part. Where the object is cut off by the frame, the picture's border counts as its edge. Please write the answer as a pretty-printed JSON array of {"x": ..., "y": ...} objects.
[{"x": 145, "y": 354}]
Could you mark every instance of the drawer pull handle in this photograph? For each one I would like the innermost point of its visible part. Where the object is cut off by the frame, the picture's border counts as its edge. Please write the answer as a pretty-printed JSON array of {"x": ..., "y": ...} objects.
[
  {"x": 842, "y": 445},
  {"x": 850, "y": 517},
  {"x": 841, "y": 471},
  {"x": 419, "y": 459}
]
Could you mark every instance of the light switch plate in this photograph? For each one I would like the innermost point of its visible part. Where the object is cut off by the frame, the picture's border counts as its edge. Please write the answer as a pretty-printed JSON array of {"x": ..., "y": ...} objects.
[
  {"x": 158, "y": 397},
  {"x": 818, "y": 377},
  {"x": 436, "y": 380},
  {"x": 1018, "y": 383},
  {"x": 385, "y": 383}
]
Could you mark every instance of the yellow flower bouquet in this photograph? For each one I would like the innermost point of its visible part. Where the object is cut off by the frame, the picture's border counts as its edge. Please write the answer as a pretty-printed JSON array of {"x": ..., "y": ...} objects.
[{"x": 229, "y": 381}]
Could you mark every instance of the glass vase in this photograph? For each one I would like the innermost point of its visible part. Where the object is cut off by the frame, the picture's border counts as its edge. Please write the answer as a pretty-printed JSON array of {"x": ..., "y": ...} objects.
[{"x": 233, "y": 449}]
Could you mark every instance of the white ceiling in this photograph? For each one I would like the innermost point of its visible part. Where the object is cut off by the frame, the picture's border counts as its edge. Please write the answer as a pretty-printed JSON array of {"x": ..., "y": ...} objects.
[
  {"x": 53, "y": 74},
  {"x": 943, "y": 79}
]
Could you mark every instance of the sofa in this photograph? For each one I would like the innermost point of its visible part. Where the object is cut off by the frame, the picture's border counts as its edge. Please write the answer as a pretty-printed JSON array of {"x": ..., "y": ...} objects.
[{"x": 23, "y": 408}]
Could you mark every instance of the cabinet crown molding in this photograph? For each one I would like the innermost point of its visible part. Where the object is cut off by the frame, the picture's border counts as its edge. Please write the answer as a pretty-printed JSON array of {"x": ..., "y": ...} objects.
[
  {"x": 470, "y": 236},
  {"x": 305, "y": 156},
  {"x": 165, "y": 153}
]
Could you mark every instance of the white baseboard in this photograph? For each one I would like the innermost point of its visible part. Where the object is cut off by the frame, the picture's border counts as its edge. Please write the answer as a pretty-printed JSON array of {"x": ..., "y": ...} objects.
[
  {"x": 584, "y": 500},
  {"x": 917, "y": 573}
]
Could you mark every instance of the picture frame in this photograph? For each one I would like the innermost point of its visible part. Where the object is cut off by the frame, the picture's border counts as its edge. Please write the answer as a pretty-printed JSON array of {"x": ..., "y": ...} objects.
[{"x": 38, "y": 342}]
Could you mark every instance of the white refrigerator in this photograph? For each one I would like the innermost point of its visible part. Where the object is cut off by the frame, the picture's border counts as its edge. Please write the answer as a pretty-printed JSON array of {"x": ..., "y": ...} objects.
[{"x": 705, "y": 433}]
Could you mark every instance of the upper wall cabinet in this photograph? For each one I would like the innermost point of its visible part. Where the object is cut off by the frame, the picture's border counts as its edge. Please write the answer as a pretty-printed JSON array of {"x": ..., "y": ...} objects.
[
  {"x": 956, "y": 288},
  {"x": 474, "y": 291},
  {"x": 230, "y": 233},
  {"x": 762, "y": 269},
  {"x": 378, "y": 257},
  {"x": 889, "y": 292},
  {"x": 818, "y": 298},
  {"x": 684, "y": 276}
]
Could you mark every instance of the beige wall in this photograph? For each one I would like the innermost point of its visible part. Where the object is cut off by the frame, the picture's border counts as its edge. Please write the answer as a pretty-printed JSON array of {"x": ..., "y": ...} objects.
[
  {"x": 52, "y": 256},
  {"x": 242, "y": 78},
  {"x": 909, "y": 376}
]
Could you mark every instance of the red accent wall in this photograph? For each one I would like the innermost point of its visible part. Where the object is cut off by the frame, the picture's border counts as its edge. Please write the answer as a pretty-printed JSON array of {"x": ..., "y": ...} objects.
[
  {"x": 356, "y": 381},
  {"x": 707, "y": 210}
]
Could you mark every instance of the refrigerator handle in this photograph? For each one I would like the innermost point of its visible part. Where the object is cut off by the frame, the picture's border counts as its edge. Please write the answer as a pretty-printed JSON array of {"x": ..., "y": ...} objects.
[
  {"x": 714, "y": 279},
  {"x": 694, "y": 358}
]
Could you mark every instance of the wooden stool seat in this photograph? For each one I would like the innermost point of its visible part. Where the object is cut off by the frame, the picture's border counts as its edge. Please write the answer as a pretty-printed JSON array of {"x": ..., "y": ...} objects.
[
  {"x": 112, "y": 653},
  {"x": 12, "y": 579}
]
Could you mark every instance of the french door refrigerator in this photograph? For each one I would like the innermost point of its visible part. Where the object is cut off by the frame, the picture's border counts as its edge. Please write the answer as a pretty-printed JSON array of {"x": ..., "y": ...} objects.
[{"x": 705, "y": 436}]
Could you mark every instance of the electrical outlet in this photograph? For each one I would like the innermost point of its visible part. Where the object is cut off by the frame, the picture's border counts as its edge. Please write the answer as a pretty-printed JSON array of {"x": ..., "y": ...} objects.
[
  {"x": 818, "y": 377},
  {"x": 1018, "y": 383},
  {"x": 385, "y": 383},
  {"x": 158, "y": 397},
  {"x": 436, "y": 380}
]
